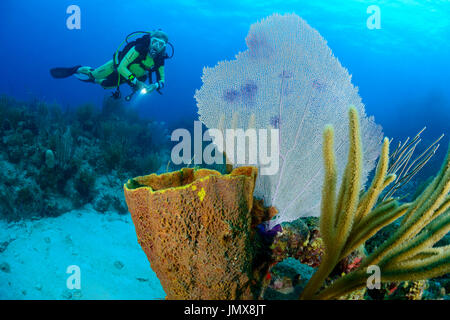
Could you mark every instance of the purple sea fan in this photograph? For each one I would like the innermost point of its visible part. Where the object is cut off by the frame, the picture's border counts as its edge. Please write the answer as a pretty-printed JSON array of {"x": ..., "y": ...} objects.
[
  {"x": 275, "y": 122},
  {"x": 301, "y": 87},
  {"x": 249, "y": 90},
  {"x": 231, "y": 95}
]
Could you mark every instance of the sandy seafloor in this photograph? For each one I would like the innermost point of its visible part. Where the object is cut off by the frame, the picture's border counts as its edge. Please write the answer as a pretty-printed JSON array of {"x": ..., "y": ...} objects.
[{"x": 104, "y": 246}]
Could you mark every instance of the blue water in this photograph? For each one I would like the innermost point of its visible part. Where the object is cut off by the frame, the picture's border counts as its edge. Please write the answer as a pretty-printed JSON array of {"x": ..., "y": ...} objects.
[{"x": 402, "y": 69}]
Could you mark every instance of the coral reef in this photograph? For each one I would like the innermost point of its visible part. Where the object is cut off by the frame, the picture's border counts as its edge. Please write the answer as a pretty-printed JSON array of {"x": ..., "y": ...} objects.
[
  {"x": 300, "y": 241},
  {"x": 54, "y": 160},
  {"x": 188, "y": 239},
  {"x": 196, "y": 228},
  {"x": 286, "y": 280}
]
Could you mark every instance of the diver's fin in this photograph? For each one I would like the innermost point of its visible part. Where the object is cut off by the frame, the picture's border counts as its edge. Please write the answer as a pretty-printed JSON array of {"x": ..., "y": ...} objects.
[
  {"x": 84, "y": 77},
  {"x": 60, "y": 73}
]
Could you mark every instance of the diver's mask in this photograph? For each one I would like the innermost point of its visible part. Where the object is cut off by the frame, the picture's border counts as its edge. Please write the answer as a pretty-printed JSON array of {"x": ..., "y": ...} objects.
[{"x": 156, "y": 46}]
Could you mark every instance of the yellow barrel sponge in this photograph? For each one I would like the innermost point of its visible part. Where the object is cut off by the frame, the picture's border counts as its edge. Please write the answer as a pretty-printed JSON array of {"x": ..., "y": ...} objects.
[{"x": 196, "y": 228}]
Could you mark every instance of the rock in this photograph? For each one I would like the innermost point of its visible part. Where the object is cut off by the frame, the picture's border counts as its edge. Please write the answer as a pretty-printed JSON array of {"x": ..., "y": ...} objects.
[
  {"x": 66, "y": 294},
  {"x": 287, "y": 280},
  {"x": 76, "y": 294},
  {"x": 101, "y": 204},
  {"x": 50, "y": 159},
  {"x": 4, "y": 245},
  {"x": 15, "y": 154},
  {"x": 68, "y": 240},
  {"x": 120, "y": 205},
  {"x": 28, "y": 136}
]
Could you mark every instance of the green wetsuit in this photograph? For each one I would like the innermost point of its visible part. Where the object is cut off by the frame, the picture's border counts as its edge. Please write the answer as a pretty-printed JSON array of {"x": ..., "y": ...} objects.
[{"x": 132, "y": 64}]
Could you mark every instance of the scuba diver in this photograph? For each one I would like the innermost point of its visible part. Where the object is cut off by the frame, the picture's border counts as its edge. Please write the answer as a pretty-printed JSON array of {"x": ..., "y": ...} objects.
[{"x": 133, "y": 65}]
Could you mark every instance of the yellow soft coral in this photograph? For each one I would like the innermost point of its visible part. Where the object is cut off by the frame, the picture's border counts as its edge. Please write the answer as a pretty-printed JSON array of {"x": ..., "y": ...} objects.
[{"x": 348, "y": 221}]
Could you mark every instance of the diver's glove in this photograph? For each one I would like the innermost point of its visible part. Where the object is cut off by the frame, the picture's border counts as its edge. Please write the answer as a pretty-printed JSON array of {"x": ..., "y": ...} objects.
[
  {"x": 133, "y": 80},
  {"x": 159, "y": 85},
  {"x": 152, "y": 87}
]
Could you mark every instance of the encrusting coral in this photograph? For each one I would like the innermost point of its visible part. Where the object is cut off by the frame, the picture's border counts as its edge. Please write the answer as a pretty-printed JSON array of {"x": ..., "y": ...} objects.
[
  {"x": 197, "y": 229},
  {"x": 349, "y": 220}
]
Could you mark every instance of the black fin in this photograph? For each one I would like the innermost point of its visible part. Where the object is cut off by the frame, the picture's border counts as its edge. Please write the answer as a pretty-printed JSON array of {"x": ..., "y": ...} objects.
[{"x": 60, "y": 73}]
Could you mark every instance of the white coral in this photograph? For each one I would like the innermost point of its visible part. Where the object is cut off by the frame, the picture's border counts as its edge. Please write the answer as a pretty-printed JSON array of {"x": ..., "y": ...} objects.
[{"x": 288, "y": 79}]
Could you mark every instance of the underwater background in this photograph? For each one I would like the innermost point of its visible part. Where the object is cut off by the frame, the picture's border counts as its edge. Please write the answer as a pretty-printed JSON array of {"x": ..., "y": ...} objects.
[{"x": 71, "y": 211}]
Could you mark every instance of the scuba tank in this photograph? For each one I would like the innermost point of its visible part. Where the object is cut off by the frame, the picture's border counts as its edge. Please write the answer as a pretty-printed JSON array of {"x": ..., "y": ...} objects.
[{"x": 119, "y": 54}]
